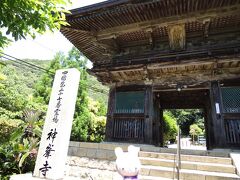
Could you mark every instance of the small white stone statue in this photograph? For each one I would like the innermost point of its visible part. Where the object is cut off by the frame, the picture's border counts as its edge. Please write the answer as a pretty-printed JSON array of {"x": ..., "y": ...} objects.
[{"x": 127, "y": 163}]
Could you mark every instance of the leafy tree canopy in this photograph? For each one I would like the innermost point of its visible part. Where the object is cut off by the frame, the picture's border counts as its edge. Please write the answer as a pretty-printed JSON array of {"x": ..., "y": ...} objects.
[
  {"x": 169, "y": 127},
  {"x": 89, "y": 121},
  {"x": 187, "y": 117},
  {"x": 28, "y": 17},
  {"x": 195, "y": 130}
]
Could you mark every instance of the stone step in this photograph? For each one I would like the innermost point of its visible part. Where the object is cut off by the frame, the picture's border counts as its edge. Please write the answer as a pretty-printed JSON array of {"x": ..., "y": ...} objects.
[
  {"x": 214, "y": 153},
  {"x": 212, "y": 167},
  {"x": 191, "y": 158},
  {"x": 185, "y": 174},
  {"x": 153, "y": 178}
]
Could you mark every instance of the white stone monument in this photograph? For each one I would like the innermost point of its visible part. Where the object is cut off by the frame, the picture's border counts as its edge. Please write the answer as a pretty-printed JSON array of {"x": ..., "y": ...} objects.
[
  {"x": 53, "y": 148},
  {"x": 54, "y": 143}
]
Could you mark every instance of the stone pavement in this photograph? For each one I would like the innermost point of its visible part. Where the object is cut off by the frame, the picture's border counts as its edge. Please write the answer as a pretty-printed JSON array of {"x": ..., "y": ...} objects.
[{"x": 186, "y": 144}]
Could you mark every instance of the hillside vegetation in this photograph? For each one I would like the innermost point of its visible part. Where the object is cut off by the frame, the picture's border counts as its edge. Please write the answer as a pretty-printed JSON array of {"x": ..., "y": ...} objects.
[{"x": 24, "y": 96}]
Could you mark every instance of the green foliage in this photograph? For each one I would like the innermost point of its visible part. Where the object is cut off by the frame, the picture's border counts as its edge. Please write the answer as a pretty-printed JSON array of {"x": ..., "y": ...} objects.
[
  {"x": 187, "y": 117},
  {"x": 7, "y": 127},
  {"x": 18, "y": 155},
  {"x": 80, "y": 126},
  {"x": 20, "y": 129},
  {"x": 97, "y": 121},
  {"x": 13, "y": 97},
  {"x": 97, "y": 91},
  {"x": 195, "y": 130},
  {"x": 16, "y": 91},
  {"x": 88, "y": 124},
  {"x": 28, "y": 17},
  {"x": 44, "y": 86},
  {"x": 169, "y": 127}
]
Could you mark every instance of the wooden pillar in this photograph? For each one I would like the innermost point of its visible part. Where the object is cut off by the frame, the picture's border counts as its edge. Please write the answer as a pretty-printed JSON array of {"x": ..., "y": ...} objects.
[
  {"x": 110, "y": 114},
  {"x": 217, "y": 116},
  {"x": 208, "y": 122},
  {"x": 148, "y": 115},
  {"x": 206, "y": 126},
  {"x": 156, "y": 121},
  {"x": 161, "y": 127}
]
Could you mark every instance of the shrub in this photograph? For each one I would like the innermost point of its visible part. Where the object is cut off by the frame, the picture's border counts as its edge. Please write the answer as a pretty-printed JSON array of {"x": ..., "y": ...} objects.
[
  {"x": 18, "y": 155},
  {"x": 195, "y": 130},
  {"x": 169, "y": 128},
  {"x": 80, "y": 126},
  {"x": 97, "y": 128},
  {"x": 7, "y": 127},
  {"x": 96, "y": 131}
]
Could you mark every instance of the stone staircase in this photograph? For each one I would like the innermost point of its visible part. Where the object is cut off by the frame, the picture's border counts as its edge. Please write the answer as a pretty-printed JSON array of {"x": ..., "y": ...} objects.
[
  {"x": 158, "y": 163},
  {"x": 161, "y": 166}
]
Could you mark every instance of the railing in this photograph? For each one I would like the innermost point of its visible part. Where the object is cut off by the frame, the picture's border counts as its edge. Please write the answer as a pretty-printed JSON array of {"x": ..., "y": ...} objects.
[
  {"x": 232, "y": 127},
  {"x": 128, "y": 127}
]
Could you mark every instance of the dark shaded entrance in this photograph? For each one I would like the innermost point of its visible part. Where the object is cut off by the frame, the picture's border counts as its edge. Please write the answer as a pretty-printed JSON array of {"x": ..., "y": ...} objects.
[
  {"x": 135, "y": 113},
  {"x": 186, "y": 99}
]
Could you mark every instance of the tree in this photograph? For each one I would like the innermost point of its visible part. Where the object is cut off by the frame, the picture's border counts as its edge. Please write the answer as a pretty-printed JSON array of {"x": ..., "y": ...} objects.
[
  {"x": 13, "y": 93},
  {"x": 89, "y": 121},
  {"x": 195, "y": 131},
  {"x": 96, "y": 131},
  {"x": 44, "y": 86},
  {"x": 187, "y": 117},
  {"x": 16, "y": 89},
  {"x": 169, "y": 127},
  {"x": 27, "y": 17}
]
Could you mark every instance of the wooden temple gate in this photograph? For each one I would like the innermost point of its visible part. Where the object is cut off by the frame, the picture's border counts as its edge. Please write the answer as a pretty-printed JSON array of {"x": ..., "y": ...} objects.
[{"x": 146, "y": 51}]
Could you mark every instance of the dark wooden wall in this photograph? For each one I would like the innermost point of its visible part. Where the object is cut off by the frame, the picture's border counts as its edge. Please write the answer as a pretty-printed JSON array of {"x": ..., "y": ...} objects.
[
  {"x": 147, "y": 127},
  {"x": 130, "y": 126}
]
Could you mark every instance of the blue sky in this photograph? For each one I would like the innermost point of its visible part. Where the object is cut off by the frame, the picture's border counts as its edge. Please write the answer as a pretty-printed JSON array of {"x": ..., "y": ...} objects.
[{"x": 45, "y": 46}]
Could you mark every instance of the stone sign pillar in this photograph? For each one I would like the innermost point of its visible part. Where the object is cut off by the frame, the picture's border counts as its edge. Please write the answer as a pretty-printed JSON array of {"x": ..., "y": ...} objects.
[{"x": 53, "y": 148}]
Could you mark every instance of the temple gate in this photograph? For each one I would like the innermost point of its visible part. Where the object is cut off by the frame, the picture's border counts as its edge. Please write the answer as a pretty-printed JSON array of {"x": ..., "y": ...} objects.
[{"x": 163, "y": 54}]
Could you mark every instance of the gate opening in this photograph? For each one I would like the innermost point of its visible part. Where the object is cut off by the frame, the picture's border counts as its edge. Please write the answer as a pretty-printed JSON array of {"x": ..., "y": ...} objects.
[{"x": 192, "y": 125}]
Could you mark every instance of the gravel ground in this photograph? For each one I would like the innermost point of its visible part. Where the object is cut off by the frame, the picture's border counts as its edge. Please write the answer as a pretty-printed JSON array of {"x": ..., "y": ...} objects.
[{"x": 91, "y": 169}]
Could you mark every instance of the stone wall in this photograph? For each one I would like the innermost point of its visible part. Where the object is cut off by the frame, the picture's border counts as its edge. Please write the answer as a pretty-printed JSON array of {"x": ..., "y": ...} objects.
[{"x": 94, "y": 150}]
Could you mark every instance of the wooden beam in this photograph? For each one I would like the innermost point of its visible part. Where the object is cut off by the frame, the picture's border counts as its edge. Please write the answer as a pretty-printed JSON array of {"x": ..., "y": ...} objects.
[
  {"x": 126, "y": 70},
  {"x": 166, "y": 21},
  {"x": 108, "y": 50},
  {"x": 75, "y": 30},
  {"x": 183, "y": 64},
  {"x": 191, "y": 71},
  {"x": 168, "y": 64},
  {"x": 190, "y": 78}
]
